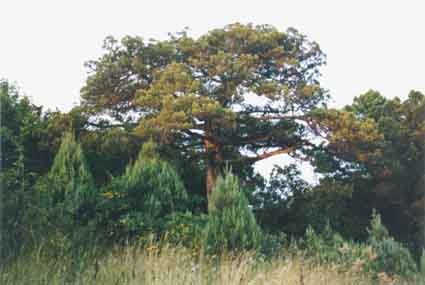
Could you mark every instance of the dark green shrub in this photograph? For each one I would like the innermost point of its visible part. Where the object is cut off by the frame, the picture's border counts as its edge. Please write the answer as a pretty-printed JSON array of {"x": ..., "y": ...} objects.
[
  {"x": 272, "y": 244},
  {"x": 329, "y": 247},
  {"x": 186, "y": 229},
  {"x": 231, "y": 223}
]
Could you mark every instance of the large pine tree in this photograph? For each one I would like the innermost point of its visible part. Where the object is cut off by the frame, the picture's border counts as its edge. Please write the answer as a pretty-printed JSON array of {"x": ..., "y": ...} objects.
[{"x": 238, "y": 94}]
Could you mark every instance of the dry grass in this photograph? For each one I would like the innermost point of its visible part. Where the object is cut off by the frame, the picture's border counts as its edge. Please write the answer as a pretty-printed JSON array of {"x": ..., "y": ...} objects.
[{"x": 172, "y": 265}]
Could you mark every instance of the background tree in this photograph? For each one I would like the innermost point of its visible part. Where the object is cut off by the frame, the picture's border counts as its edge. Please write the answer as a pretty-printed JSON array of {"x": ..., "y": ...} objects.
[
  {"x": 376, "y": 144},
  {"x": 288, "y": 203},
  {"x": 238, "y": 94},
  {"x": 24, "y": 157},
  {"x": 23, "y": 131}
]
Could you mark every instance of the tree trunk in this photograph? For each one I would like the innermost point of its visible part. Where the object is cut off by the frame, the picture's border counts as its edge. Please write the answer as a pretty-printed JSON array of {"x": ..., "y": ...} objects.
[
  {"x": 211, "y": 177},
  {"x": 214, "y": 160}
]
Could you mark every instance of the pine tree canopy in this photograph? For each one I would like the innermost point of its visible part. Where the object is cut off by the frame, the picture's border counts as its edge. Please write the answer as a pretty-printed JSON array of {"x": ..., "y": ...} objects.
[{"x": 243, "y": 88}]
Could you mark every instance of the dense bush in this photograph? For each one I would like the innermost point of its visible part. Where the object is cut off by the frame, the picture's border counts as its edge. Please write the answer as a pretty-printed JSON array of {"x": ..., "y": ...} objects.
[
  {"x": 231, "y": 223},
  {"x": 186, "y": 229}
]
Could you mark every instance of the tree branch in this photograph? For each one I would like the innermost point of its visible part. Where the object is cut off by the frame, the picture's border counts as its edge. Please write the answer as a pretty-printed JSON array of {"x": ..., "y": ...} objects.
[
  {"x": 269, "y": 154},
  {"x": 265, "y": 118},
  {"x": 190, "y": 133},
  {"x": 107, "y": 125}
]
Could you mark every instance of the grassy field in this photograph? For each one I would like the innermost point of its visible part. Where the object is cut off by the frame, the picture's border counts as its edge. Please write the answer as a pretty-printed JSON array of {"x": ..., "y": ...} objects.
[{"x": 170, "y": 265}]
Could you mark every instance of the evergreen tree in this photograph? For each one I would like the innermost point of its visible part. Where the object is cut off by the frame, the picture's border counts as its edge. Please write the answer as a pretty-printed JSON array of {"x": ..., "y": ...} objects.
[
  {"x": 392, "y": 256},
  {"x": 145, "y": 196},
  {"x": 69, "y": 183},
  {"x": 154, "y": 184},
  {"x": 231, "y": 224}
]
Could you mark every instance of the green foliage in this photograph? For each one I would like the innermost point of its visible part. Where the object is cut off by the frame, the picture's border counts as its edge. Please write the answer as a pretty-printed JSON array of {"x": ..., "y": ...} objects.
[
  {"x": 290, "y": 204},
  {"x": 379, "y": 254},
  {"x": 391, "y": 255},
  {"x": 24, "y": 157},
  {"x": 153, "y": 185},
  {"x": 284, "y": 182},
  {"x": 67, "y": 198},
  {"x": 329, "y": 247},
  {"x": 58, "y": 206},
  {"x": 231, "y": 223},
  {"x": 272, "y": 244},
  {"x": 143, "y": 198},
  {"x": 273, "y": 203},
  {"x": 109, "y": 152},
  {"x": 420, "y": 278},
  {"x": 23, "y": 132},
  {"x": 330, "y": 202},
  {"x": 186, "y": 229}
]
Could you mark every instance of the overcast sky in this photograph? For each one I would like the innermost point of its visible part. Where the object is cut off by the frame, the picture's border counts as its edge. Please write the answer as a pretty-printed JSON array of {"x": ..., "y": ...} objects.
[{"x": 369, "y": 44}]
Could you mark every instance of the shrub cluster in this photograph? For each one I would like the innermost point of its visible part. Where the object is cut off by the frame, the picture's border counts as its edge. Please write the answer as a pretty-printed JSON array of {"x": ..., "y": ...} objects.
[{"x": 379, "y": 255}]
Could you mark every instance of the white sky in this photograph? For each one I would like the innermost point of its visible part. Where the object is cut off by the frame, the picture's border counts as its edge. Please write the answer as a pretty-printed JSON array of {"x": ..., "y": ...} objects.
[{"x": 373, "y": 44}]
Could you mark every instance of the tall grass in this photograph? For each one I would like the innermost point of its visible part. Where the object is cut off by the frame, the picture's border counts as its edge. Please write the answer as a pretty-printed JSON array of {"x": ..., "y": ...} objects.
[{"x": 154, "y": 264}]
